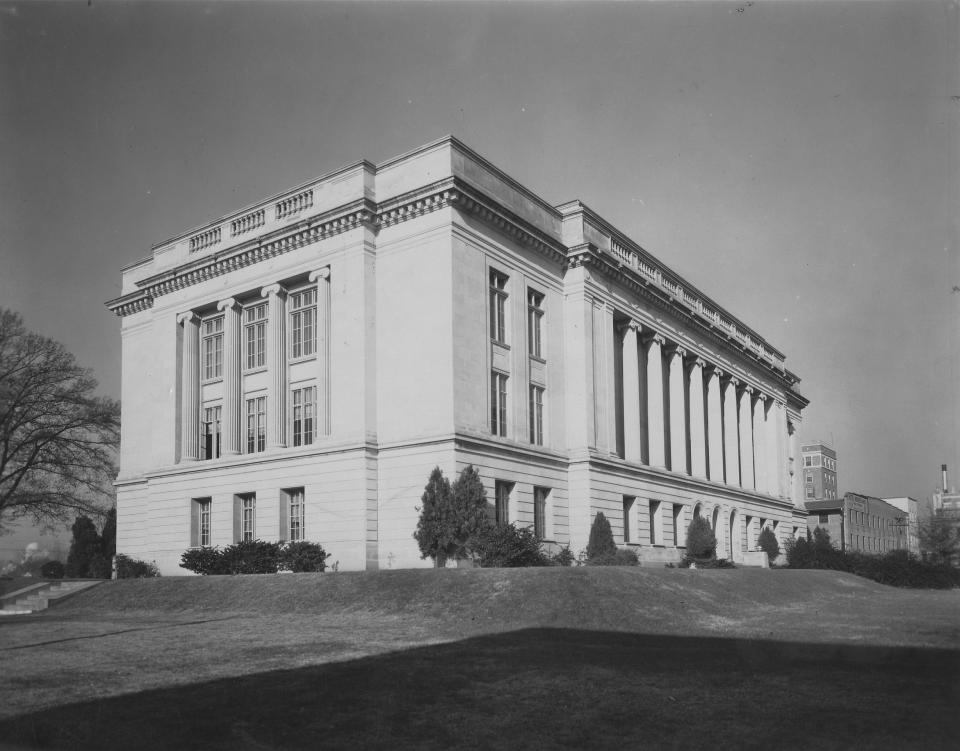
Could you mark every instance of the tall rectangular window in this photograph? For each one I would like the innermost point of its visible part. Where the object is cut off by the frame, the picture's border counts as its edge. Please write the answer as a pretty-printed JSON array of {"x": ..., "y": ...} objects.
[
  {"x": 200, "y": 523},
  {"x": 498, "y": 307},
  {"x": 295, "y": 510},
  {"x": 502, "y": 502},
  {"x": 256, "y": 424},
  {"x": 248, "y": 507},
  {"x": 628, "y": 518},
  {"x": 303, "y": 323},
  {"x": 255, "y": 336},
  {"x": 212, "y": 348},
  {"x": 677, "y": 514},
  {"x": 536, "y": 415},
  {"x": 498, "y": 403},
  {"x": 540, "y": 496},
  {"x": 535, "y": 323},
  {"x": 210, "y": 440},
  {"x": 304, "y": 401},
  {"x": 655, "y": 533}
]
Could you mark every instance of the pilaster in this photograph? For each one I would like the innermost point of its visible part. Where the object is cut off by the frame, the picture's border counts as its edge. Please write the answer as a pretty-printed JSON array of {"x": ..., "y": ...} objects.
[
  {"x": 190, "y": 387},
  {"x": 631, "y": 393},
  {"x": 230, "y": 418},
  {"x": 322, "y": 279},
  {"x": 760, "y": 460},
  {"x": 276, "y": 366}
]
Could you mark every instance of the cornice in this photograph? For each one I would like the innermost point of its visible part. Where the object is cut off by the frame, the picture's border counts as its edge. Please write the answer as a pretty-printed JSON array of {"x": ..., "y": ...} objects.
[{"x": 647, "y": 289}]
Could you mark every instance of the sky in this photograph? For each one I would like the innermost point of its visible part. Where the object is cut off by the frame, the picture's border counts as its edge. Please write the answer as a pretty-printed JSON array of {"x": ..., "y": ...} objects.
[{"x": 796, "y": 161}]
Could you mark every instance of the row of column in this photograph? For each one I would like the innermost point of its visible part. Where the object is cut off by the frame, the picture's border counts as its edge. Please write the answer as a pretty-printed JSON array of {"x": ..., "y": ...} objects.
[
  {"x": 684, "y": 414},
  {"x": 276, "y": 363}
]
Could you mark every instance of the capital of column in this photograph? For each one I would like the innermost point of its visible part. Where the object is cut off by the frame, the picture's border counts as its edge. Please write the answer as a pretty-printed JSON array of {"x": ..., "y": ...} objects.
[
  {"x": 188, "y": 317},
  {"x": 714, "y": 370},
  {"x": 692, "y": 361},
  {"x": 746, "y": 388},
  {"x": 652, "y": 337},
  {"x": 273, "y": 290},
  {"x": 675, "y": 349},
  {"x": 731, "y": 380},
  {"x": 323, "y": 273},
  {"x": 229, "y": 304}
]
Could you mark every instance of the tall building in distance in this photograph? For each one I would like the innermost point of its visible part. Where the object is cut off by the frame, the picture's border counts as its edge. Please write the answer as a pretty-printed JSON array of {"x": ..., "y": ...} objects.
[
  {"x": 819, "y": 467},
  {"x": 294, "y": 371},
  {"x": 861, "y": 523}
]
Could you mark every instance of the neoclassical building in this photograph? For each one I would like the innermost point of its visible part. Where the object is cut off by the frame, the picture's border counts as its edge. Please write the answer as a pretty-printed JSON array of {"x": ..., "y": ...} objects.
[{"x": 295, "y": 369}]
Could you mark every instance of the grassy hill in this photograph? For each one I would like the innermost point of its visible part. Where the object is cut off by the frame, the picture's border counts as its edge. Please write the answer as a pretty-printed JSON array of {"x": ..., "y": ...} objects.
[
  {"x": 581, "y": 658},
  {"x": 474, "y": 601}
]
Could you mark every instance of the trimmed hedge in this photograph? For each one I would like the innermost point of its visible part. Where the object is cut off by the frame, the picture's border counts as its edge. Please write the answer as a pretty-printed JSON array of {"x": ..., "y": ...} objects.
[
  {"x": 256, "y": 557},
  {"x": 619, "y": 557},
  {"x": 508, "y": 546},
  {"x": 897, "y": 568}
]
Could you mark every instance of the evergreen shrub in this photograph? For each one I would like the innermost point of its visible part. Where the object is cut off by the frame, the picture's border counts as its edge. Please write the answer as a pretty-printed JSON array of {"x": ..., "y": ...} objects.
[
  {"x": 619, "y": 557},
  {"x": 256, "y": 557},
  {"x": 701, "y": 542},
  {"x": 451, "y": 516},
  {"x": 600, "y": 543},
  {"x": 84, "y": 547},
  {"x": 768, "y": 543}
]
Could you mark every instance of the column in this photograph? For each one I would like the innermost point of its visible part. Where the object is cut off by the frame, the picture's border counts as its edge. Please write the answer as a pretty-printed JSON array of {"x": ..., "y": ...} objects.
[
  {"x": 759, "y": 444},
  {"x": 631, "y": 394},
  {"x": 189, "y": 387},
  {"x": 677, "y": 408},
  {"x": 276, "y": 366},
  {"x": 655, "y": 426},
  {"x": 731, "y": 449},
  {"x": 697, "y": 423},
  {"x": 779, "y": 453},
  {"x": 793, "y": 449},
  {"x": 745, "y": 425},
  {"x": 714, "y": 424},
  {"x": 230, "y": 419},
  {"x": 770, "y": 439},
  {"x": 322, "y": 278}
]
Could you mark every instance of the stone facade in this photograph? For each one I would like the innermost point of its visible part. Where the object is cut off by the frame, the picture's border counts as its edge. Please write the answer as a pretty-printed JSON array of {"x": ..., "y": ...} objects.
[{"x": 297, "y": 368}]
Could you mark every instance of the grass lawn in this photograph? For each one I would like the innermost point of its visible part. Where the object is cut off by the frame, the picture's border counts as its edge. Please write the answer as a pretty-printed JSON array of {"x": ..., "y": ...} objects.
[{"x": 549, "y": 658}]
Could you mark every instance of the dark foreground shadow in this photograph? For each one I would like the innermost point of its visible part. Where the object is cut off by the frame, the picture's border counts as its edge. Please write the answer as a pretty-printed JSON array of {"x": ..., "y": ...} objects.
[{"x": 543, "y": 689}]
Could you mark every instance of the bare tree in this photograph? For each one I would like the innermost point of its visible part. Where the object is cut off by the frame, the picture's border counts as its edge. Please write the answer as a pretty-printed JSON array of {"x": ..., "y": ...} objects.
[{"x": 57, "y": 439}]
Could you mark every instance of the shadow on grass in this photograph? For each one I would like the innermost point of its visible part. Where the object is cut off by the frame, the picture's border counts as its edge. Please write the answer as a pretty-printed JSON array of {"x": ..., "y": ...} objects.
[
  {"x": 86, "y": 637},
  {"x": 543, "y": 688}
]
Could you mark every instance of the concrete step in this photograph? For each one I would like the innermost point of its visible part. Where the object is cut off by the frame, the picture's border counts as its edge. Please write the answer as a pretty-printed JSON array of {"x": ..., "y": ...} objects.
[{"x": 39, "y": 597}]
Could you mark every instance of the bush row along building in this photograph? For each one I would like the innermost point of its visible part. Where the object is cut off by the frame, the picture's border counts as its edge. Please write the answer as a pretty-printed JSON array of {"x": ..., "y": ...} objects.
[{"x": 295, "y": 370}]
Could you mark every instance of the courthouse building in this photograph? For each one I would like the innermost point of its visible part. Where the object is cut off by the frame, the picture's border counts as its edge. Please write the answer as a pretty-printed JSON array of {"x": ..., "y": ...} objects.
[{"x": 295, "y": 369}]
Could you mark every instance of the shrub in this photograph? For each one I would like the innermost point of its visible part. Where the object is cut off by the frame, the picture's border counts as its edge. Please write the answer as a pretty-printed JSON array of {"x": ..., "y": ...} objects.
[
  {"x": 619, "y": 557},
  {"x": 52, "y": 570},
  {"x": 508, "y": 546},
  {"x": 450, "y": 516},
  {"x": 563, "y": 557},
  {"x": 108, "y": 536},
  {"x": 817, "y": 552},
  {"x": 205, "y": 561},
  {"x": 250, "y": 557},
  {"x": 701, "y": 542},
  {"x": 601, "y": 541},
  {"x": 132, "y": 568},
  {"x": 84, "y": 546},
  {"x": 768, "y": 543},
  {"x": 302, "y": 557}
]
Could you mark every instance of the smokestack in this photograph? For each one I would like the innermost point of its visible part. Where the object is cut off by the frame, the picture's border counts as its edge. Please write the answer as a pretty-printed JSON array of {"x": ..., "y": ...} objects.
[{"x": 943, "y": 469}]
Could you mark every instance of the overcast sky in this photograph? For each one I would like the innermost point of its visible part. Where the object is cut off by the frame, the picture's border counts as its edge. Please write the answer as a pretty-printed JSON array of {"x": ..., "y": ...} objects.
[{"x": 798, "y": 162}]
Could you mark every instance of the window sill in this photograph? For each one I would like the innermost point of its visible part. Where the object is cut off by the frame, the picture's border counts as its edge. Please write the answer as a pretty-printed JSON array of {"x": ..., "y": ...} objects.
[
  {"x": 536, "y": 358},
  {"x": 504, "y": 345},
  {"x": 304, "y": 358},
  {"x": 252, "y": 371},
  {"x": 209, "y": 381}
]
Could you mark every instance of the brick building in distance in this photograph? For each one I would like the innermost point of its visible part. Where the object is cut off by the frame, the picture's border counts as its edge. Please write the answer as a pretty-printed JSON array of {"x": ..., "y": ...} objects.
[{"x": 860, "y": 523}]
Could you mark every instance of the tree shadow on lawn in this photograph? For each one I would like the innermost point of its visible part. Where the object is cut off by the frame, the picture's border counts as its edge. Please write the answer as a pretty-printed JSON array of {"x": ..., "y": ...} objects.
[{"x": 543, "y": 688}]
